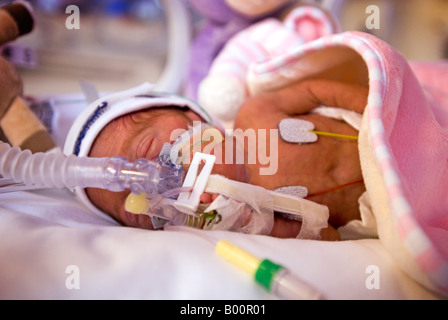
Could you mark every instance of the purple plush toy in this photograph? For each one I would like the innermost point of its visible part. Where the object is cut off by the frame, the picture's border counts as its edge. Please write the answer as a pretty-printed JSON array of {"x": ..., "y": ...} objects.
[{"x": 221, "y": 23}]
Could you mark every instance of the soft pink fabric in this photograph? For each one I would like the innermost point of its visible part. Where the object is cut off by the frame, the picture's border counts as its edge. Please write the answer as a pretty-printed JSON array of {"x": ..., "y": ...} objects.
[
  {"x": 415, "y": 117},
  {"x": 407, "y": 119}
]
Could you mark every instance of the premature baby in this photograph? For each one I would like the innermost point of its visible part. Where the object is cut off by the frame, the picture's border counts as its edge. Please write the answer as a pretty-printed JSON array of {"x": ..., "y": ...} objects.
[{"x": 329, "y": 168}]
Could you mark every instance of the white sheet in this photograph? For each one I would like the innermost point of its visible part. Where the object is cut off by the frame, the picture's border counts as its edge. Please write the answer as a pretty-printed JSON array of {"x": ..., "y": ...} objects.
[{"x": 43, "y": 233}]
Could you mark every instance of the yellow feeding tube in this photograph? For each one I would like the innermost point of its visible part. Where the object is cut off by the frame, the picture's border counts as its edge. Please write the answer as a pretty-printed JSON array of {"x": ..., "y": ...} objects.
[
  {"x": 238, "y": 257},
  {"x": 271, "y": 276}
]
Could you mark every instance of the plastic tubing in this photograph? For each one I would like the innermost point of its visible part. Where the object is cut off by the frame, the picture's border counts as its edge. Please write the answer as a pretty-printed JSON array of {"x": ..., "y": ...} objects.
[
  {"x": 169, "y": 213},
  {"x": 55, "y": 170},
  {"x": 179, "y": 38},
  {"x": 273, "y": 277}
]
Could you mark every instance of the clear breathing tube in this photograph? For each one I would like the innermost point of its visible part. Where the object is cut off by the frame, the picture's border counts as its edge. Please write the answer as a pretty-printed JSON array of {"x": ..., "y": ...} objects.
[{"x": 55, "y": 170}]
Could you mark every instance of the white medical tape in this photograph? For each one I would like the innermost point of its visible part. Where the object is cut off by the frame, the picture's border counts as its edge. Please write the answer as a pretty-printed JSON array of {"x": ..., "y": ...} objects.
[
  {"x": 352, "y": 118},
  {"x": 314, "y": 216}
]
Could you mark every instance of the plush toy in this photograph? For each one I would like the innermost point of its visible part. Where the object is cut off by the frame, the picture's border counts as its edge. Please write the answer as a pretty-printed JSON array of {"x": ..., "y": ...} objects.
[
  {"x": 19, "y": 124},
  {"x": 223, "y": 19},
  {"x": 225, "y": 87}
]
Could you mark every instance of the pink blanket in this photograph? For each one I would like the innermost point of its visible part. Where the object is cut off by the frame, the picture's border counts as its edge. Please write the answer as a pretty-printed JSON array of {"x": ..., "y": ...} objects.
[{"x": 403, "y": 143}]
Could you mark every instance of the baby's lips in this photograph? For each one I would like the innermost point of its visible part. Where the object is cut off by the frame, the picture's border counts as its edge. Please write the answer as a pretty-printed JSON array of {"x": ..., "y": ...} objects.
[{"x": 206, "y": 198}]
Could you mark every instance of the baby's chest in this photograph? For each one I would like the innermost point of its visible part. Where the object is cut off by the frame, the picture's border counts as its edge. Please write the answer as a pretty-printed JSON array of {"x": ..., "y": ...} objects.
[{"x": 282, "y": 162}]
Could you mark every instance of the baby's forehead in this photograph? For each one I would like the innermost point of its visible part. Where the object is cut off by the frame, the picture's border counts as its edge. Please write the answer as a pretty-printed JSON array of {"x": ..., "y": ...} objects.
[
  {"x": 129, "y": 124},
  {"x": 136, "y": 117},
  {"x": 153, "y": 111}
]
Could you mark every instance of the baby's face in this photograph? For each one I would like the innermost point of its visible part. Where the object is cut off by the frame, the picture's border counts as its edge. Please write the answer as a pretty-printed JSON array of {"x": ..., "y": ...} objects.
[{"x": 141, "y": 135}]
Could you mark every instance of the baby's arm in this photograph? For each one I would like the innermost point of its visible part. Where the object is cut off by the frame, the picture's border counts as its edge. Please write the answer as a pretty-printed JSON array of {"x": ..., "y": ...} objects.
[
  {"x": 284, "y": 228},
  {"x": 265, "y": 110},
  {"x": 302, "y": 97}
]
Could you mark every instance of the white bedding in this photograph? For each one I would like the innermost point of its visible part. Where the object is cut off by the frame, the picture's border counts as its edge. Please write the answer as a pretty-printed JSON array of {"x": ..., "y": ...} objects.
[{"x": 44, "y": 233}]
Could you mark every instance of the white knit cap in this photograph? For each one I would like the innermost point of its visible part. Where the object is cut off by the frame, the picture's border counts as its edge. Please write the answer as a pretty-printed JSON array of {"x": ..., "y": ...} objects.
[{"x": 98, "y": 114}]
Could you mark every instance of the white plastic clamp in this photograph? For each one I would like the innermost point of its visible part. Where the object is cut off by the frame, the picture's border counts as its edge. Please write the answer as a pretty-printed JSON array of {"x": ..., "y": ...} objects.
[{"x": 188, "y": 202}]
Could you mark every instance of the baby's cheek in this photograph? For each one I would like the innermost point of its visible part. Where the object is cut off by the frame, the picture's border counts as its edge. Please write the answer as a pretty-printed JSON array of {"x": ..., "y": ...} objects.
[
  {"x": 203, "y": 147},
  {"x": 230, "y": 171},
  {"x": 225, "y": 163}
]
